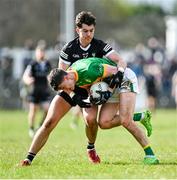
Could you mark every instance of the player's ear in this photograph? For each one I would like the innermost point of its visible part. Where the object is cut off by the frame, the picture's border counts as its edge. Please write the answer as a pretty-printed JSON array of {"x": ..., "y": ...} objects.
[
  {"x": 66, "y": 77},
  {"x": 77, "y": 30}
]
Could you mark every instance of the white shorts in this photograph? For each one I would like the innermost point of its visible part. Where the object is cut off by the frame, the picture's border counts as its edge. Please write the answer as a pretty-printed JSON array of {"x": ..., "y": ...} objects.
[{"x": 129, "y": 84}]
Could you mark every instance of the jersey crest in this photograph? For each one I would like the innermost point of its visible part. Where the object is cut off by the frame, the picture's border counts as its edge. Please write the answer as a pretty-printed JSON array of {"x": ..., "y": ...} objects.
[
  {"x": 93, "y": 54},
  {"x": 85, "y": 55}
]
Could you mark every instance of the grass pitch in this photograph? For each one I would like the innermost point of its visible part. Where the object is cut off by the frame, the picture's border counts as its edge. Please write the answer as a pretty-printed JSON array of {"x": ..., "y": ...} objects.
[{"x": 64, "y": 155}]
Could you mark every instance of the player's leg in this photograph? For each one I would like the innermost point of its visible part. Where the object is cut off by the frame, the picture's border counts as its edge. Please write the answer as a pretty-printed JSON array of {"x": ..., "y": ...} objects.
[
  {"x": 109, "y": 109},
  {"x": 76, "y": 114},
  {"x": 31, "y": 118},
  {"x": 58, "y": 108},
  {"x": 91, "y": 128},
  {"x": 109, "y": 119},
  {"x": 44, "y": 100},
  {"x": 45, "y": 106},
  {"x": 126, "y": 109},
  {"x": 107, "y": 113}
]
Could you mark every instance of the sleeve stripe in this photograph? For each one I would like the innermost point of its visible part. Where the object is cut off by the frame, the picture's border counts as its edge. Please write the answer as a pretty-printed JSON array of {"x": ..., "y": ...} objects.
[
  {"x": 66, "y": 62},
  {"x": 104, "y": 70},
  {"x": 107, "y": 47},
  {"x": 64, "y": 55}
]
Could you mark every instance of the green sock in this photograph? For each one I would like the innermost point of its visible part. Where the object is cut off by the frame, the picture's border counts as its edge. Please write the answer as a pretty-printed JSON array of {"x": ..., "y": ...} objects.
[
  {"x": 137, "y": 116},
  {"x": 148, "y": 151}
]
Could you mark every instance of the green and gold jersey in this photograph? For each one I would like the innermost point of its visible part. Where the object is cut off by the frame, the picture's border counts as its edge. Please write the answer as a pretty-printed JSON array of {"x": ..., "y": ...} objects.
[{"x": 90, "y": 70}]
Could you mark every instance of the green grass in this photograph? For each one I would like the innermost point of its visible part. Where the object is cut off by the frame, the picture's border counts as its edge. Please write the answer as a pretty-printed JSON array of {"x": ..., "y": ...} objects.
[{"x": 64, "y": 155}]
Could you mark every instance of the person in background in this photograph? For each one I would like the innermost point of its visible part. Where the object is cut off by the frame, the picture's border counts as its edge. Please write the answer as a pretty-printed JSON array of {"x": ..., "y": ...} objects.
[
  {"x": 35, "y": 77},
  {"x": 174, "y": 87},
  {"x": 28, "y": 54},
  {"x": 76, "y": 116}
]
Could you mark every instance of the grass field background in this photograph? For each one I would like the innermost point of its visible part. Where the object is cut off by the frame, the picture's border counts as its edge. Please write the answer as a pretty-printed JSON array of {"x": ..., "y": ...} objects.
[{"x": 64, "y": 155}]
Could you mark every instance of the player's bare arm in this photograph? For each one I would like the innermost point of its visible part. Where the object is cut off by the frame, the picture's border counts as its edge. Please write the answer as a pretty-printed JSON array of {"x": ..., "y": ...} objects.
[{"x": 114, "y": 56}]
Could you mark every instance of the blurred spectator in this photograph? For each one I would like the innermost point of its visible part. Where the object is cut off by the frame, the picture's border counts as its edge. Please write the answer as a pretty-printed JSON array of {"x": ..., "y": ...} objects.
[
  {"x": 151, "y": 86},
  {"x": 28, "y": 57},
  {"x": 173, "y": 66},
  {"x": 157, "y": 51},
  {"x": 35, "y": 76},
  {"x": 42, "y": 43},
  {"x": 29, "y": 47},
  {"x": 7, "y": 69},
  {"x": 174, "y": 87},
  {"x": 151, "y": 91}
]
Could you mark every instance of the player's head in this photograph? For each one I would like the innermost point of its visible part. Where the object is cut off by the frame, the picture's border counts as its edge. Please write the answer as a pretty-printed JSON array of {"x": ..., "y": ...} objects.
[
  {"x": 85, "y": 26},
  {"x": 56, "y": 77},
  {"x": 60, "y": 80},
  {"x": 85, "y": 17},
  {"x": 40, "y": 53}
]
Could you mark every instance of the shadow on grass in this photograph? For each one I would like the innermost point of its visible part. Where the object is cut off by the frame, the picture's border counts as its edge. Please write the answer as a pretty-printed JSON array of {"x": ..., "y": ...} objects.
[{"x": 168, "y": 163}]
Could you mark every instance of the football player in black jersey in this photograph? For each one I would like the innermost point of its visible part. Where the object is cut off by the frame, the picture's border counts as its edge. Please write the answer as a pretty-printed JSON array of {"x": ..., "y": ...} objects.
[
  {"x": 35, "y": 77},
  {"x": 85, "y": 45}
]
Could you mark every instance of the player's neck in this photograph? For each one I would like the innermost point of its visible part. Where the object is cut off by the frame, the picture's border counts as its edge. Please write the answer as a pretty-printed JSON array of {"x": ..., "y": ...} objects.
[{"x": 83, "y": 44}]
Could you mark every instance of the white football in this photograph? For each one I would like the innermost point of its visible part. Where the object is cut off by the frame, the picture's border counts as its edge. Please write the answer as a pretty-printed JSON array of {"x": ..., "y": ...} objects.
[{"x": 99, "y": 86}]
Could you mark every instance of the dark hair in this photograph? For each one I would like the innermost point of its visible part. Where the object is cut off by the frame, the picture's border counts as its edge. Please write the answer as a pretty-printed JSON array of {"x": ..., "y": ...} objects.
[
  {"x": 85, "y": 18},
  {"x": 56, "y": 77}
]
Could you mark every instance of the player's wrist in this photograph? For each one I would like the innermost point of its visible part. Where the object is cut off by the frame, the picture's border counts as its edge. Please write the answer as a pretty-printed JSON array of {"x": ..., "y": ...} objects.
[
  {"x": 121, "y": 69},
  {"x": 71, "y": 94},
  {"x": 111, "y": 90}
]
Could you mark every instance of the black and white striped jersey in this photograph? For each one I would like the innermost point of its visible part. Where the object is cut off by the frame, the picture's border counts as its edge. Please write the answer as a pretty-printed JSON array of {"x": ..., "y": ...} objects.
[{"x": 72, "y": 51}]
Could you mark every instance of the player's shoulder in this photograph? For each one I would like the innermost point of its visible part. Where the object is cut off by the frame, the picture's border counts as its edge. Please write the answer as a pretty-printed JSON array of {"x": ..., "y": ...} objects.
[
  {"x": 47, "y": 61},
  {"x": 33, "y": 63},
  {"x": 70, "y": 44},
  {"x": 98, "y": 41},
  {"x": 101, "y": 45}
]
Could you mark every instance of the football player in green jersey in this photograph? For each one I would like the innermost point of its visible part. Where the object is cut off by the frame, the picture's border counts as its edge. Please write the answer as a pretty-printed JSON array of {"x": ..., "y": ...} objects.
[{"x": 84, "y": 73}]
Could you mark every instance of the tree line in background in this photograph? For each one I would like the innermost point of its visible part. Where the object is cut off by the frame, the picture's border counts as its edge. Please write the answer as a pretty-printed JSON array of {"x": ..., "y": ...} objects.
[{"x": 127, "y": 24}]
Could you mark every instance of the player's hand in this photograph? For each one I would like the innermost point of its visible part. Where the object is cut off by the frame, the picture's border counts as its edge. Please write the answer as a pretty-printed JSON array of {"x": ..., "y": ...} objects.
[
  {"x": 30, "y": 81},
  {"x": 117, "y": 80},
  {"x": 81, "y": 101},
  {"x": 104, "y": 96}
]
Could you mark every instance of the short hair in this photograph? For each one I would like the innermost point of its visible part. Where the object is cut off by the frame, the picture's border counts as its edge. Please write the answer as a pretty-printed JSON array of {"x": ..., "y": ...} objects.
[
  {"x": 55, "y": 78},
  {"x": 85, "y": 17},
  {"x": 41, "y": 48}
]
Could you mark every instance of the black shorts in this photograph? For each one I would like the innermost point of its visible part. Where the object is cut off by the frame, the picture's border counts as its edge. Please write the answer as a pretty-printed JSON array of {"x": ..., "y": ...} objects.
[{"x": 39, "y": 97}]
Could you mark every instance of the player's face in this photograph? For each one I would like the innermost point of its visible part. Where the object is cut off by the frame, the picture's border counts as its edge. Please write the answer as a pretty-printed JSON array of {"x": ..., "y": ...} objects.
[
  {"x": 67, "y": 84},
  {"x": 86, "y": 34},
  {"x": 40, "y": 54}
]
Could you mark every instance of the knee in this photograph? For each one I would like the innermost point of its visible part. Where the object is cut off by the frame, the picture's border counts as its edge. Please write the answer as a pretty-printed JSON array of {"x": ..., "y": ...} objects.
[
  {"x": 48, "y": 125},
  {"x": 90, "y": 120},
  {"x": 104, "y": 123},
  {"x": 126, "y": 120}
]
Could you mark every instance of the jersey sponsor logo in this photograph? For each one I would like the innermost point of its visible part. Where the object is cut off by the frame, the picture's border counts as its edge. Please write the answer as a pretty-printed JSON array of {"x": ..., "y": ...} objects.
[
  {"x": 88, "y": 81},
  {"x": 76, "y": 56}
]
